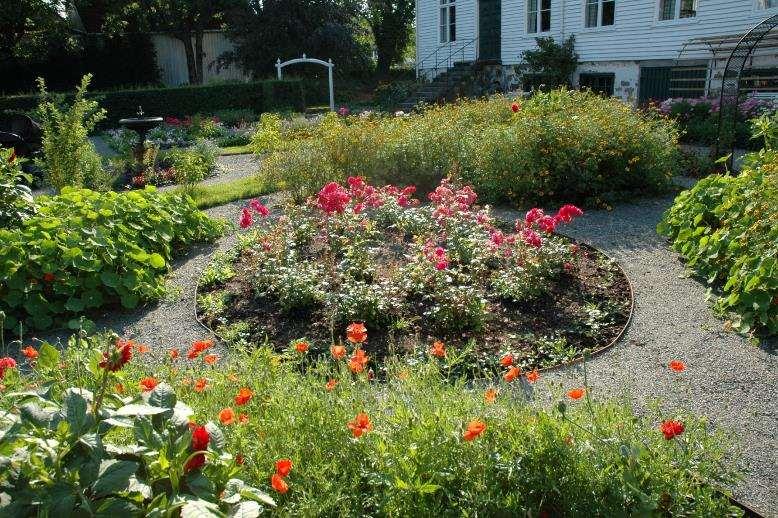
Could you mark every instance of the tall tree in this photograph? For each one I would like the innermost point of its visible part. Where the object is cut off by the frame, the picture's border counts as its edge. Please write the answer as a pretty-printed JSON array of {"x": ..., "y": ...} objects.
[
  {"x": 391, "y": 22},
  {"x": 272, "y": 29},
  {"x": 30, "y": 29}
]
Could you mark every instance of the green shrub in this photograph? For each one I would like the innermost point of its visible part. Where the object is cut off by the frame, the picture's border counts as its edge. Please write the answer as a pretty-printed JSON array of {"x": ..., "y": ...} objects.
[
  {"x": 726, "y": 227},
  {"x": 193, "y": 164},
  {"x": 574, "y": 146},
  {"x": 69, "y": 158},
  {"x": 16, "y": 202},
  {"x": 84, "y": 250},
  {"x": 575, "y": 458},
  {"x": 261, "y": 96}
]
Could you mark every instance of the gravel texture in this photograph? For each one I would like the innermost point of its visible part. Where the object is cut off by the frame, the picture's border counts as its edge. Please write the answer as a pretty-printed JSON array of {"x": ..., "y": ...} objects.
[{"x": 728, "y": 379}]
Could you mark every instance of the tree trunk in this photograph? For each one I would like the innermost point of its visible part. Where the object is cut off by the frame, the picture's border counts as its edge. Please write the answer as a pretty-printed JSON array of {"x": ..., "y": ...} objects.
[
  {"x": 199, "y": 56},
  {"x": 191, "y": 67}
]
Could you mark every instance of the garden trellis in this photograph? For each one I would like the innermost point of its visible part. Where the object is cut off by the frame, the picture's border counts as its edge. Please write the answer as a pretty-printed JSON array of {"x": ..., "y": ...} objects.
[{"x": 329, "y": 64}]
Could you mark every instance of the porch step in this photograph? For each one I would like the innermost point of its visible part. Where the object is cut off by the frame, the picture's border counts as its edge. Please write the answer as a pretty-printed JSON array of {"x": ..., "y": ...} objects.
[{"x": 440, "y": 87}]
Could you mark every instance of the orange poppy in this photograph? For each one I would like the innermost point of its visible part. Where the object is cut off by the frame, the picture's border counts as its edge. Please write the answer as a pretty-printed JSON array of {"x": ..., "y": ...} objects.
[
  {"x": 244, "y": 396},
  {"x": 277, "y": 482},
  {"x": 210, "y": 359},
  {"x": 243, "y": 418},
  {"x": 356, "y": 333},
  {"x": 533, "y": 376},
  {"x": 200, "y": 384},
  {"x": 677, "y": 366},
  {"x": 474, "y": 429},
  {"x": 30, "y": 352},
  {"x": 330, "y": 386},
  {"x": 119, "y": 388},
  {"x": 576, "y": 393},
  {"x": 361, "y": 424},
  {"x": 338, "y": 352},
  {"x": 490, "y": 395},
  {"x": 283, "y": 467},
  {"x": 148, "y": 384},
  {"x": 173, "y": 353},
  {"x": 302, "y": 347},
  {"x": 142, "y": 348},
  {"x": 198, "y": 347},
  {"x": 512, "y": 374},
  {"x": 358, "y": 361},
  {"x": 438, "y": 349},
  {"x": 227, "y": 416},
  {"x": 507, "y": 360}
]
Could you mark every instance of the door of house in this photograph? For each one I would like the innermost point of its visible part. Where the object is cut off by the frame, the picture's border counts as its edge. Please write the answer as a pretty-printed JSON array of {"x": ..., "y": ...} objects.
[{"x": 489, "y": 23}]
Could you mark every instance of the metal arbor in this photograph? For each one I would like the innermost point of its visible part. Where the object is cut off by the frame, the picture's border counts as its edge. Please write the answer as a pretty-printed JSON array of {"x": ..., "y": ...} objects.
[
  {"x": 329, "y": 64},
  {"x": 729, "y": 98}
]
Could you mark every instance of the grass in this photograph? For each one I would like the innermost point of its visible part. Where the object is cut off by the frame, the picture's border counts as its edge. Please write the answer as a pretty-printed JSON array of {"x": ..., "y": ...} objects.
[
  {"x": 235, "y": 150},
  {"x": 206, "y": 196}
]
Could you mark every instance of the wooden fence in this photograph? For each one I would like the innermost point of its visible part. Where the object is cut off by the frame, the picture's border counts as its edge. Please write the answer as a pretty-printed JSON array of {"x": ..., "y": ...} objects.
[{"x": 171, "y": 59}]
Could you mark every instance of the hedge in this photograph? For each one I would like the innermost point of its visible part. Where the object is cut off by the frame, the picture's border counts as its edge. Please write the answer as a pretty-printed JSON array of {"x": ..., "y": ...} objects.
[{"x": 181, "y": 101}]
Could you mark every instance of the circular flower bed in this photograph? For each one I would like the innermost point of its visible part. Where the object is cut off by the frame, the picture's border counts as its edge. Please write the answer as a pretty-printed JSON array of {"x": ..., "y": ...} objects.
[{"x": 442, "y": 278}]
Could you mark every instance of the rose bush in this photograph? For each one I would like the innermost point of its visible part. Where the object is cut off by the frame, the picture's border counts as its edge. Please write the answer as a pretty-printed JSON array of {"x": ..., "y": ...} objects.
[{"x": 380, "y": 257}]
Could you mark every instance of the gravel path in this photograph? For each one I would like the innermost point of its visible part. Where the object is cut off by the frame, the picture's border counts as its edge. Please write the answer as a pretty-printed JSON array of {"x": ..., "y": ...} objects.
[{"x": 730, "y": 381}]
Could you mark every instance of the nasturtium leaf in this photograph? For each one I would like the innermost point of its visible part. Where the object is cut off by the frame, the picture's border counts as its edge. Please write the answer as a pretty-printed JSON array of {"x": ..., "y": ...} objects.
[
  {"x": 156, "y": 261},
  {"x": 114, "y": 476},
  {"x": 246, "y": 509},
  {"x": 48, "y": 357}
]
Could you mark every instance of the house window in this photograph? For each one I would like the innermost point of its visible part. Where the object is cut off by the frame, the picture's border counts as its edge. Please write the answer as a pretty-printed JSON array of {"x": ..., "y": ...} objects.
[
  {"x": 766, "y": 4},
  {"x": 676, "y": 9},
  {"x": 448, "y": 21},
  {"x": 600, "y": 83},
  {"x": 538, "y": 16},
  {"x": 600, "y": 13}
]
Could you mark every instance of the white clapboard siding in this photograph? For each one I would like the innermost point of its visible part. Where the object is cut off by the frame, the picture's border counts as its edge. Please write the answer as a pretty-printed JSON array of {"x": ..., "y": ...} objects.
[
  {"x": 636, "y": 36},
  {"x": 171, "y": 59},
  {"x": 428, "y": 36}
]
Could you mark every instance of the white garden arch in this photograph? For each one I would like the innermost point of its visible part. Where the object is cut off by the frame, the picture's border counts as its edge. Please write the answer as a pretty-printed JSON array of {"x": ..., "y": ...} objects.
[{"x": 329, "y": 64}]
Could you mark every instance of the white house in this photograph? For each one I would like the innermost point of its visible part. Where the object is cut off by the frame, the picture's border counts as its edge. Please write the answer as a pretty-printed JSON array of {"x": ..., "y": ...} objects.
[{"x": 626, "y": 48}]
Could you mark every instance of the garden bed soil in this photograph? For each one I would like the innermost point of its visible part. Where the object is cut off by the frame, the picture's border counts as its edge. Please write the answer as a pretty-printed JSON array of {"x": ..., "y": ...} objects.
[{"x": 584, "y": 311}]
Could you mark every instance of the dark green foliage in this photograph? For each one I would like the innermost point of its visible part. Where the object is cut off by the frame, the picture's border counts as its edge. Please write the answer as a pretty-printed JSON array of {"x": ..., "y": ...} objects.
[
  {"x": 390, "y": 21},
  {"x": 16, "y": 201},
  {"x": 84, "y": 249},
  {"x": 115, "y": 62},
  {"x": 286, "y": 29},
  {"x": 186, "y": 100},
  {"x": 552, "y": 64},
  {"x": 727, "y": 229}
]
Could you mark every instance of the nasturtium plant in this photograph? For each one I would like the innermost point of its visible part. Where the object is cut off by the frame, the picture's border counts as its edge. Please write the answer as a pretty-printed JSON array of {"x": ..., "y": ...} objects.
[
  {"x": 84, "y": 249},
  {"x": 726, "y": 227},
  {"x": 61, "y": 451}
]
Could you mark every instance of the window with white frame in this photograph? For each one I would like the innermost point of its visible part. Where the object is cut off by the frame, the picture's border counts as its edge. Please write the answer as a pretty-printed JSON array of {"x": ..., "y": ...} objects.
[
  {"x": 766, "y": 4},
  {"x": 677, "y": 9},
  {"x": 600, "y": 13},
  {"x": 448, "y": 21},
  {"x": 538, "y": 16}
]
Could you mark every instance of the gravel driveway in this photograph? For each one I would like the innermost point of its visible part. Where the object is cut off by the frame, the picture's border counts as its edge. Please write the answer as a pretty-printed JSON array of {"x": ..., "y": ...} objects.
[{"x": 731, "y": 381}]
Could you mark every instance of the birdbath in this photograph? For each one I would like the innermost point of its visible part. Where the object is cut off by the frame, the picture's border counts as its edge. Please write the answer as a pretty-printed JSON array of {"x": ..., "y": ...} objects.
[{"x": 140, "y": 125}]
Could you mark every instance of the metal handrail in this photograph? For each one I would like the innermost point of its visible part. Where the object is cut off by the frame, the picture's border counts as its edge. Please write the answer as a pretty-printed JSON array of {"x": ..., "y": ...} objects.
[{"x": 454, "y": 48}]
